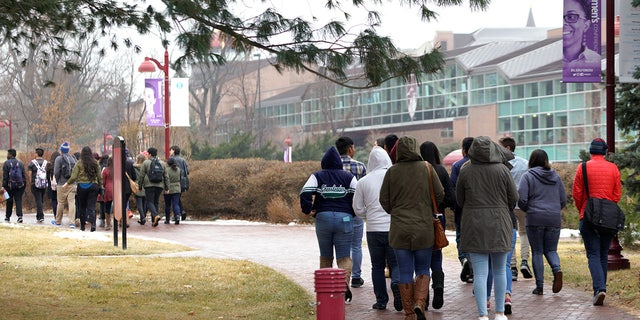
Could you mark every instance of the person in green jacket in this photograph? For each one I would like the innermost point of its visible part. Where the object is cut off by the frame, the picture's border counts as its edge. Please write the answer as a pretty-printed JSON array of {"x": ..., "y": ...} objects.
[
  {"x": 86, "y": 173},
  {"x": 153, "y": 189},
  {"x": 172, "y": 196}
]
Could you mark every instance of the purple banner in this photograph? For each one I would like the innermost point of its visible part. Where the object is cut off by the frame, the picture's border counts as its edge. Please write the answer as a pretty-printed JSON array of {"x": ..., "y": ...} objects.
[
  {"x": 153, "y": 98},
  {"x": 581, "y": 32}
]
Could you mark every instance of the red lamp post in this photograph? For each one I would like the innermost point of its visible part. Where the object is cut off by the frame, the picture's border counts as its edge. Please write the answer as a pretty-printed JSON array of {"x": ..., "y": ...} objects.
[{"x": 148, "y": 66}]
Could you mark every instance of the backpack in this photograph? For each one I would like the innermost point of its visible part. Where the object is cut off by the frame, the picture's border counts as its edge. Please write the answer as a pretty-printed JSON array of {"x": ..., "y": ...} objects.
[
  {"x": 16, "y": 180},
  {"x": 40, "y": 181},
  {"x": 65, "y": 169},
  {"x": 156, "y": 172}
]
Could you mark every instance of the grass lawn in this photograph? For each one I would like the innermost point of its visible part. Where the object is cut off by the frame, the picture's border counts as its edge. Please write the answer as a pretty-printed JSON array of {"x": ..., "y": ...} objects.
[{"x": 49, "y": 274}]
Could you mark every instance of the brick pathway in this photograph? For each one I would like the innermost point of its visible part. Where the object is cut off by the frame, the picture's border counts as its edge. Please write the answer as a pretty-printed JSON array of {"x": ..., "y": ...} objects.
[{"x": 293, "y": 251}]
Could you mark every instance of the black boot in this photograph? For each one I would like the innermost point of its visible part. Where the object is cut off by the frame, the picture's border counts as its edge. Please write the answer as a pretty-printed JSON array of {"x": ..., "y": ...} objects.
[{"x": 437, "y": 277}]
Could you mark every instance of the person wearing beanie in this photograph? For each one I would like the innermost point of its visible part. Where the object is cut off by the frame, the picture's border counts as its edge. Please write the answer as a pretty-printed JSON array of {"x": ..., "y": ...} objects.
[
  {"x": 64, "y": 147},
  {"x": 603, "y": 178},
  {"x": 62, "y": 169}
]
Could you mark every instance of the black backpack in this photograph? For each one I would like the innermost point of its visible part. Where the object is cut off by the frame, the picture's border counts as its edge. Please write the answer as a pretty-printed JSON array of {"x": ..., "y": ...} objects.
[
  {"x": 16, "y": 180},
  {"x": 156, "y": 172},
  {"x": 66, "y": 168}
]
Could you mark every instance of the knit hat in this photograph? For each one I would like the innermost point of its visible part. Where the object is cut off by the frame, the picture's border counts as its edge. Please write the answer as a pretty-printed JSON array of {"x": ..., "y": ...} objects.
[
  {"x": 64, "y": 147},
  {"x": 598, "y": 146}
]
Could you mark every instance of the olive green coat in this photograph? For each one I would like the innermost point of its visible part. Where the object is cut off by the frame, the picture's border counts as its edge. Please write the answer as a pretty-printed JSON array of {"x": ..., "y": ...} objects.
[
  {"x": 406, "y": 195},
  {"x": 486, "y": 192}
]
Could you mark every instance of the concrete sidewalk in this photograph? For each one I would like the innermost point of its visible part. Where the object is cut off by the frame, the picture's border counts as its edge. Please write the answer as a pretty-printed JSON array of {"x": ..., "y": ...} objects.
[{"x": 293, "y": 251}]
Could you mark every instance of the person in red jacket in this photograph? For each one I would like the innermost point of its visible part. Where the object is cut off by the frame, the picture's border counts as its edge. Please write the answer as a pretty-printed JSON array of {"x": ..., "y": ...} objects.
[{"x": 603, "y": 178}]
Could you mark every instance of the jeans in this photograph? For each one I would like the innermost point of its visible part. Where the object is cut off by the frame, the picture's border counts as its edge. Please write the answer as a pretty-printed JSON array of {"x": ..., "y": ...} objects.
[
  {"x": 381, "y": 255},
  {"x": 544, "y": 240},
  {"x": 142, "y": 207},
  {"x": 172, "y": 200},
  {"x": 38, "y": 194},
  {"x": 509, "y": 254},
  {"x": 153, "y": 197},
  {"x": 87, "y": 198},
  {"x": 410, "y": 262},
  {"x": 14, "y": 196},
  {"x": 597, "y": 248},
  {"x": 481, "y": 263},
  {"x": 334, "y": 230},
  {"x": 461, "y": 255},
  {"x": 356, "y": 247}
]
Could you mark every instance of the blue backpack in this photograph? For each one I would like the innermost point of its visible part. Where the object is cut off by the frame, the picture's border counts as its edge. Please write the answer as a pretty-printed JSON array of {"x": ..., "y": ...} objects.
[{"x": 16, "y": 180}]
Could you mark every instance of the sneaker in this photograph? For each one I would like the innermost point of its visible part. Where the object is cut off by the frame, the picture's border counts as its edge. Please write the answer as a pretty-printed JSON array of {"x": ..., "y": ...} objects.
[
  {"x": 77, "y": 223},
  {"x": 500, "y": 316},
  {"x": 526, "y": 271},
  {"x": 166, "y": 221},
  {"x": 557, "y": 282},
  {"x": 348, "y": 296},
  {"x": 356, "y": 282},
  {"x": 101, "y": 224},
  {"x": 6, "y": 219},
  {"x": 155, "y": 221},
  {"x": 483, "y": 318},
  {"x": 183, "y": 215},
  {"x": 19, "y": 219},
  {"x": 397, "y": 298},
  {"x": 507, "y": 304},
  {"x": 466, "y": 270},
  {"x": 379, "y": 306},
  {"x": 177, "y": 221},
  {"x": 598, "y": 299},
  {"x": 538, "y": 291},
  {"x": 40, "y": 220},
  {"x": 72, "y": 226},
  {"x": 514, "y": 274},
  {"x": 53, "y": 222},
  {"x": 142, "y": 222}
]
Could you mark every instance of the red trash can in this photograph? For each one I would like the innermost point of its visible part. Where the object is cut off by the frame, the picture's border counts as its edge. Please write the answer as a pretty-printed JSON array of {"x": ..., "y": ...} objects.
[{"x": 330, "y": 286}]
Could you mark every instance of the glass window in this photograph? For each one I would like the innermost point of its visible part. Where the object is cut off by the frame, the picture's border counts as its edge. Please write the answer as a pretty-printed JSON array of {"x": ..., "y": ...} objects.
[
  {"x": 546, "y": 104},
  {"x": 546, "y": 88},
  {"x": 477, "y": 97},
  {"x": 517, "y": 107},
  {"x": 504, "y": 125},
  {"x": 576, "y": 118},
  {"x": 532, "y": 105},
  {"x": 504, "y": 93},
  {"x": 559, "y": 87},
  {"x": 560, "y": 103},
  {"x": 504, "y": 109},
  {"x": 577, "y": 101},
  {"x": 531, "y": 90},
  {"x": 477, "y": 81},
  {"x": 517, "y": 91},
  {"x": 491, "y": 95},
  {"x": 490, "y": 80},
  {"x": 548, "y": 137}
]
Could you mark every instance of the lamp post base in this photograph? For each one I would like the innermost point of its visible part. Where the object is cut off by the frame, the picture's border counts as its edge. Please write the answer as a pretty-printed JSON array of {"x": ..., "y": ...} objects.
[{"x": 615, "y": 260}]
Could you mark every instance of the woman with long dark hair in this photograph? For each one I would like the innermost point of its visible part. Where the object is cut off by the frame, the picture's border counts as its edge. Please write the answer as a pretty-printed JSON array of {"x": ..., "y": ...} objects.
[{"x": 87, "y": 174}]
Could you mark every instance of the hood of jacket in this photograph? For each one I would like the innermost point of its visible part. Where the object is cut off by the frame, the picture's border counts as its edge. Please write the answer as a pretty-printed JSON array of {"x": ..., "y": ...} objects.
[
  {"x": 331, "y": 159},
  {"x": 378, "y": 159},
  {"x": 408, "y": 149},
  {"x": 485, "y": 150},
  {"x": 548, "y": 177}
]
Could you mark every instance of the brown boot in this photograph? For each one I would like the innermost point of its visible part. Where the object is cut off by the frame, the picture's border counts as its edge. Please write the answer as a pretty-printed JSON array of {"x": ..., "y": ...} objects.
[
  {"x": 420, "y": 293},
  {"x": 345, "y": 264},
  {"x": 326, "y": 262},
  {"x": 406, "y": 292}
]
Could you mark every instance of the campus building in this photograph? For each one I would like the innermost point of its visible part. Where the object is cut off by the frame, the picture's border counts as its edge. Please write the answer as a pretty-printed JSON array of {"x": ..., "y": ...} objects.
[{"x": 496, "y": 82}]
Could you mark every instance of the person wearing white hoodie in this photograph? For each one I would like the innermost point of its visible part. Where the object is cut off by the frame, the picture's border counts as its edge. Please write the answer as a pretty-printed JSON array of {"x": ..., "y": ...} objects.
[{"x": 366, "y": 205}]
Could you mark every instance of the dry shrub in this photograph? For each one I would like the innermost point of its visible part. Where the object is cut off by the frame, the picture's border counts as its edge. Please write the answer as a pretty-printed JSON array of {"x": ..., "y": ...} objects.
[{"x": 279, "y": 211}]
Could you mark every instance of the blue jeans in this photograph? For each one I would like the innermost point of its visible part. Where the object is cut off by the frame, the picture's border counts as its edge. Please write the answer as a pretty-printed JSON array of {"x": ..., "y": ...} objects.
[
  {"x": 597, "y": 248},
  {"x": 381, "y": 255},
  {"x": 544, "y": 241},
  {"x": 172, "y": 200},
  {"x": 509, "y": 254},
  {"x": 410, "y": 262},
  {"x": 356, "y": 247},
  {"x": 481, "y": 263},
  {"x": 334, "y": 230}
]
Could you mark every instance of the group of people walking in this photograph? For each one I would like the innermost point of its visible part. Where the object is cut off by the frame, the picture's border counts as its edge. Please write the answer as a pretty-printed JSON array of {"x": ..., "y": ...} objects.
[
  {"x": 79, "y": 181},
  {"x": 404, "y": 187}
]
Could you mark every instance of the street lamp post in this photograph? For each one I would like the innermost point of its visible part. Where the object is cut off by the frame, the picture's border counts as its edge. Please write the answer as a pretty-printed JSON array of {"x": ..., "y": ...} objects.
[
  {"x": 259, "y": 103},
  {"x": 147, "y": 66}
]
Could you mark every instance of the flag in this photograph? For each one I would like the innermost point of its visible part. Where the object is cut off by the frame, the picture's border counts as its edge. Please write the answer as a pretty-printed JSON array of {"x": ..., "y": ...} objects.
[{"x": 179, "y": 96}]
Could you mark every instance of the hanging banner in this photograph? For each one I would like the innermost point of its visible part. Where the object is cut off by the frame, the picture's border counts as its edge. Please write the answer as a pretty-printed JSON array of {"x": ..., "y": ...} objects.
[
  {"x": 412, "y": 95},
  {"x": 153, "y": 102},
  {"x": 179, "y": 97},
  {"x": 629, "y": 58},
  {"x": 581, "y": 46}
]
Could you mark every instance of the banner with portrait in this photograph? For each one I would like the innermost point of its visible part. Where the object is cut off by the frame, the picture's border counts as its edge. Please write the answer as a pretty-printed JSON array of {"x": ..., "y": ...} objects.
[
  {"x": 581, "y": 41},
  {"x": 153, "y": 102}
]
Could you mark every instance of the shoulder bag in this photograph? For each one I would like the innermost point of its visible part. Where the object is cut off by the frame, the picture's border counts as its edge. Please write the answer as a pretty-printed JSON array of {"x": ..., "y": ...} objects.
[
  {"x": 440, "y": 237},
  {"x": 604, "y": 215}
]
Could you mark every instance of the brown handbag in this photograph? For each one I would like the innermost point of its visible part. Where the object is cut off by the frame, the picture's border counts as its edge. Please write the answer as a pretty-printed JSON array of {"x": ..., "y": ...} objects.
[{"x": 440, "y": 237}]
